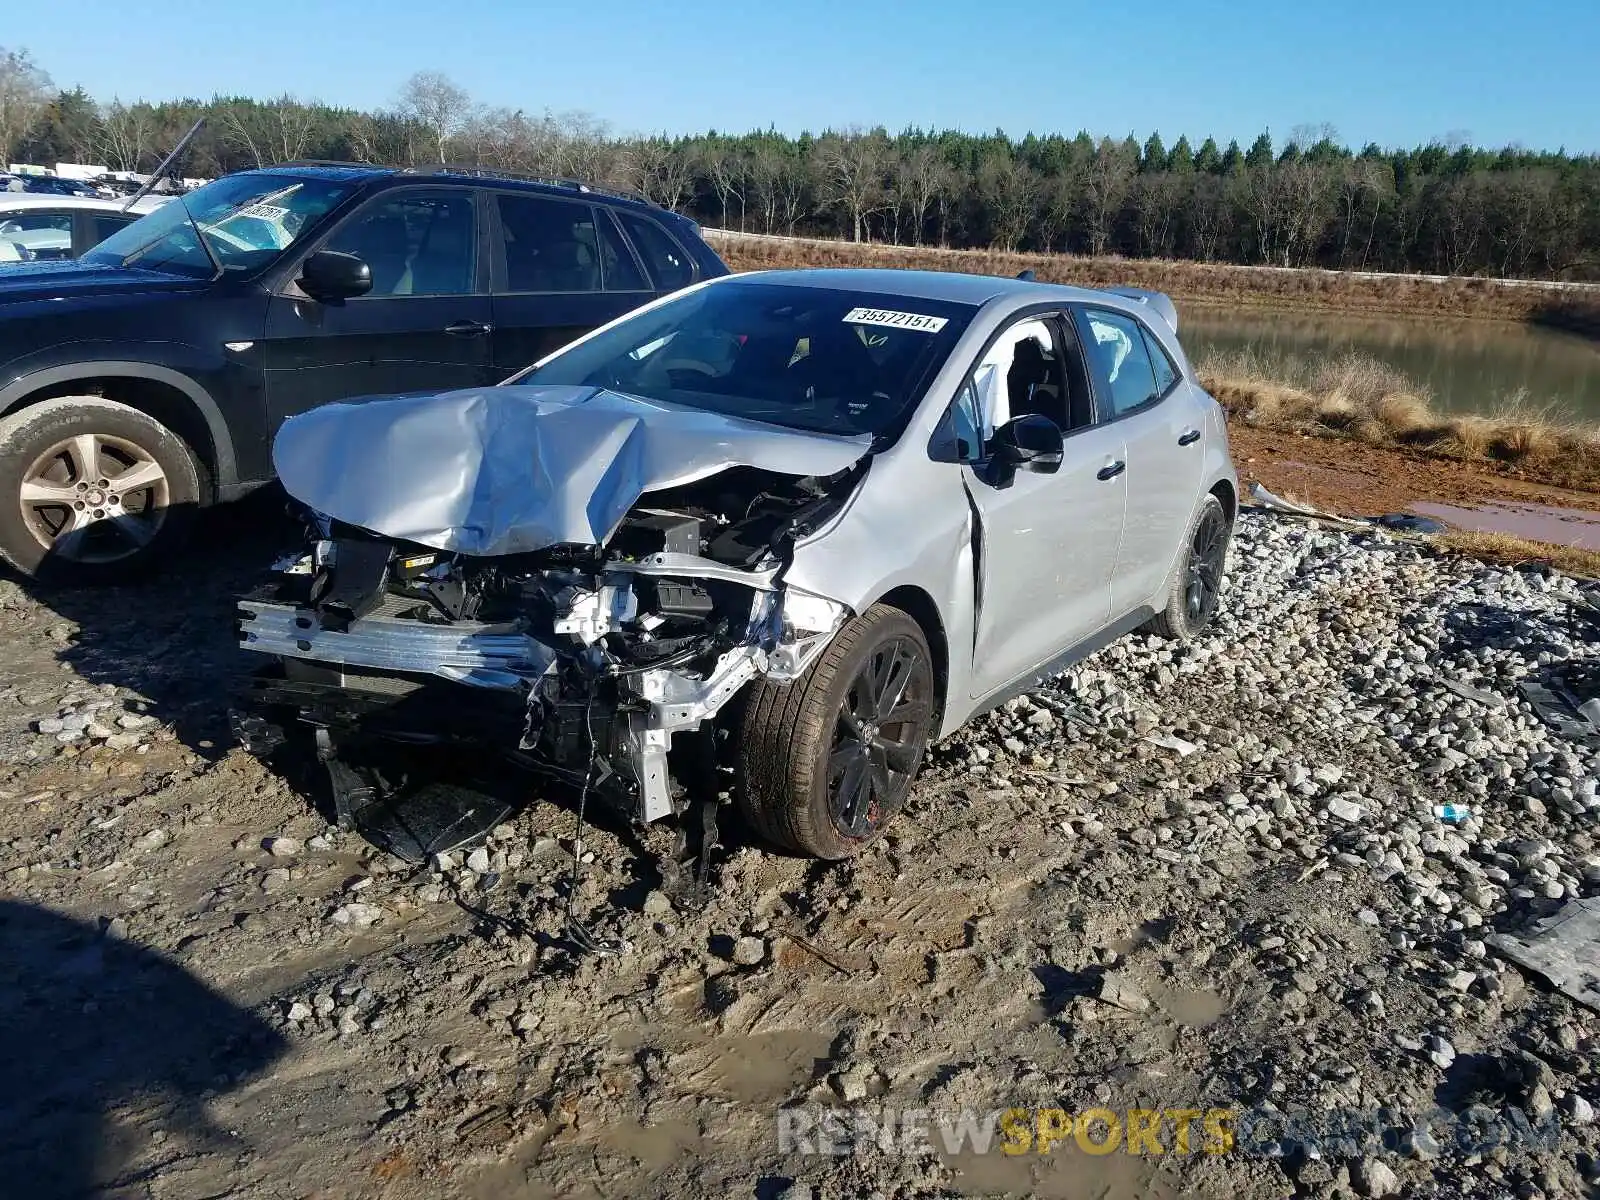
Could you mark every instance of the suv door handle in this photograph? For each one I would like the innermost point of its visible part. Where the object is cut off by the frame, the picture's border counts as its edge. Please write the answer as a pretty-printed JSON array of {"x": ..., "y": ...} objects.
[
  {"x": 1111, "y": 470},
  {"x": 1189, "y": 438},
  {"x": 468, "y": 329}
]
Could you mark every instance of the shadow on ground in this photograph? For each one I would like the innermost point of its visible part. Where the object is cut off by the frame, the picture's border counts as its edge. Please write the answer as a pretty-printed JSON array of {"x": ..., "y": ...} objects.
[
  {"x": 90, "y": 1024},
  {"x": 170, "y": 637}
]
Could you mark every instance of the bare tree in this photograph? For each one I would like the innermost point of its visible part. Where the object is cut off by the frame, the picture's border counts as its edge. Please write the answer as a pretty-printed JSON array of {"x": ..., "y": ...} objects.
[
  {"x": 293, "y": 123},
  {"x": 1010, "y": 189},
  {"x": 1307, "y": 193},
  {"x": 850, "y": 171},
  {"x": 1523, "y": 199},
  {"x": 1156, "y": 200},
  {"x": 1289, "y": 205},
  {"x": 578, "y": 146},
  {"x": 124, "y": 134},
  {"x": 362, "y": 133},
  {"x": 728, "y": 172},
  {"x": 242, "y": 127},
  {"x": 661, "y": 171},
  {"x": 1358, "y": 189},
  {"x": 1210, "y": 216},
  {"x": 1105, "y": 187},
  {"x": 923, "y": 176},
  {"x": 1060, "y": 201},
  {"x": 437, "y": 104},
  {"x": 24, "y": 90},
  {"x": 1458, "y": 209},
  {"x": 766, "y": 168},
  {"x": 793, "y": 186}
]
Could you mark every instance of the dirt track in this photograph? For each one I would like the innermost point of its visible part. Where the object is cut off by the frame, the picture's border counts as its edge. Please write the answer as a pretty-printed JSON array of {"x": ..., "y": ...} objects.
[{"x": 1070, "y": 915}]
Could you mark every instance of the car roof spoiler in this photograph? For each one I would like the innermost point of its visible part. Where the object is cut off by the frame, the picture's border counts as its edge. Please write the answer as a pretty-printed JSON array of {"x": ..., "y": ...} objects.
[{"x": 1158, "y": 301}]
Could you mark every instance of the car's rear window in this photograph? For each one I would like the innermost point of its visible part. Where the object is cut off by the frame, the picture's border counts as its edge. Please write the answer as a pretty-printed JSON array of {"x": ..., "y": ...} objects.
[{"x": 822, "y": 359}]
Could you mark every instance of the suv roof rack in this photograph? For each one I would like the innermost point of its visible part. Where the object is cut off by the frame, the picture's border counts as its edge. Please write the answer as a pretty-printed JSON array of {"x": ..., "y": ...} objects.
[
  {"x": 486, "y": 172},
  {"x": 480, "y": 171}
]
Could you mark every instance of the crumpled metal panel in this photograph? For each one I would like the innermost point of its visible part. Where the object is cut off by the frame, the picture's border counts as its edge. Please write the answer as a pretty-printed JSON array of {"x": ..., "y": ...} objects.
[{"x": 506, "y": 470}]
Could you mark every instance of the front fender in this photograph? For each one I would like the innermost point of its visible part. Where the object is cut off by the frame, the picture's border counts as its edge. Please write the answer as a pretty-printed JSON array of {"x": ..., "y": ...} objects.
[
  {"x": 37, "y": 373},
  {"x": 883, "y": 541}
]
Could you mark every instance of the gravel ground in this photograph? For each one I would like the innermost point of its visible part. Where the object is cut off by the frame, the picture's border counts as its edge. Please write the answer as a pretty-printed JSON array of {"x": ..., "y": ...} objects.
[{"x": 1201, "y": 878}]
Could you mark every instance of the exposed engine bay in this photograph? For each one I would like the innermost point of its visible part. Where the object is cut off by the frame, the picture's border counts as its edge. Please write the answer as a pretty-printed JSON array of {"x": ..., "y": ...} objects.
[{"x": 582, "y": 661}]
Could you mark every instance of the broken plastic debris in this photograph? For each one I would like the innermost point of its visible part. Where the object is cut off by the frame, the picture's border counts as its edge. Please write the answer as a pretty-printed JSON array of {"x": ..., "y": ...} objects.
[
  {"x": 1171, "y": 742},
  {"x": 1468, "y": 692},
  {"x": 1452, "y": 814},
  {"x": 1565, "y": 949},
  {"x": 1289, "y": 508}
]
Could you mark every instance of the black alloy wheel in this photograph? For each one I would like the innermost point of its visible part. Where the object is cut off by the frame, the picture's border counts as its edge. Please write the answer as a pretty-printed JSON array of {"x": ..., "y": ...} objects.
[
  {"x": 825, "y": 762},
  {"x": 878, "y": 739},
  {"x": 1208, "y": 550}
]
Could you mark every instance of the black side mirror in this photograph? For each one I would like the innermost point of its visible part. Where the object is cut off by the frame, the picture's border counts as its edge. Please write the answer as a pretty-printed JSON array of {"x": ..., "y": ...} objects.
[
  {"x": 1028, "y": 443},
  {"x": 332, "y": 275}
]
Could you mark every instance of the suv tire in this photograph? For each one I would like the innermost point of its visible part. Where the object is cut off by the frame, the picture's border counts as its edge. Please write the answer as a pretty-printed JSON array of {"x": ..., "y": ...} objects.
[
  {"x": 1197, "y": 575},
  {"x": 839, "y": 716},
  {"x": 63, "y": 517}
]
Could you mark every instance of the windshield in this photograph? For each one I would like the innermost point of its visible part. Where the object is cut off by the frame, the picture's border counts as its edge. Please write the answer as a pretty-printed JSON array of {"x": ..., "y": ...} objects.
[
  {"x": 248, "y": 220},
  {"x": 820, "y": 359}
]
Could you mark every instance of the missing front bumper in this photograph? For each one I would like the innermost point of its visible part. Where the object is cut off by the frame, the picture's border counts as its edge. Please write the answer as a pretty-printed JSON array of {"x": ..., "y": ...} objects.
[{"x": 565, "y": 709}]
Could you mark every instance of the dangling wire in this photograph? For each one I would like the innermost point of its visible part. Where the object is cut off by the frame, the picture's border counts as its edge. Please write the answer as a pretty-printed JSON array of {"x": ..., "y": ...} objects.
[{"x": 577, "y": 933}]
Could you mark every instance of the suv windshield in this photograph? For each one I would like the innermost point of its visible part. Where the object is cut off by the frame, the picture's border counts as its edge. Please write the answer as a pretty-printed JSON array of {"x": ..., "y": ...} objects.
[
  {"x": 819, "y": 359},
  {"x": 247, "y": 220}
]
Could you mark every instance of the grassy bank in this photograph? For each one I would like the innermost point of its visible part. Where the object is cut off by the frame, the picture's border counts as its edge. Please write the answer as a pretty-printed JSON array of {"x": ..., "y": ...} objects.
[
  {"x": 1261, "y": 287},
  {"x": 1510, "y": 551},
  {"x": 1355, "y": 396}
]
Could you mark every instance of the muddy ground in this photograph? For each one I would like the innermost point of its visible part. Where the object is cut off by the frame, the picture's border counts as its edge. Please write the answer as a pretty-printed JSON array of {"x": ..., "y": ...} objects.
[{"x": 1194, "y": 879}]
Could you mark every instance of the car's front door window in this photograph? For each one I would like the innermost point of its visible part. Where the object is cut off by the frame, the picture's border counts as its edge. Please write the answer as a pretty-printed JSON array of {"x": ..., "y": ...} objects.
[
  {"x": 417, "y": 243},
  {"x": 1027, "y": 369}
]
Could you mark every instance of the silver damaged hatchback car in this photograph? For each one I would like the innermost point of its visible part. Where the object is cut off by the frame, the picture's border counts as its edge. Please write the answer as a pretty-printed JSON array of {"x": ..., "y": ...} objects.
[{"x": 782, "y": 529}]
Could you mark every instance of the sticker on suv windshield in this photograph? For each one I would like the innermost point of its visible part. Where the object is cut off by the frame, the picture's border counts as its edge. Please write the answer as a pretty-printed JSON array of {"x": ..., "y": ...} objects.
[
  {"x": 895, "y": 320},
  {"x": 265, "y": 212}
]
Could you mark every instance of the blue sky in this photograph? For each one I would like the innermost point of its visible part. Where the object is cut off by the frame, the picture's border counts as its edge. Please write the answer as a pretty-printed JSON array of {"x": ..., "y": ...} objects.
[{"x": 1398, "y": 72}]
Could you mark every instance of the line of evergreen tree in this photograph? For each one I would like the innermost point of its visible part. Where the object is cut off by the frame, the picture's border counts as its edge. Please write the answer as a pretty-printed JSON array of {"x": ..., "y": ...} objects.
[{"x": 1310, "y": 201}]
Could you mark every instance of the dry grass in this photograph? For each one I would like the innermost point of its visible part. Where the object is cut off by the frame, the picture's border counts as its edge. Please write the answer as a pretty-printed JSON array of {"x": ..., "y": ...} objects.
[
  {"x": 1507, "y": 550},
  {"x": 1259, "y": 287},
  {"x": 1353, "y": 395}
]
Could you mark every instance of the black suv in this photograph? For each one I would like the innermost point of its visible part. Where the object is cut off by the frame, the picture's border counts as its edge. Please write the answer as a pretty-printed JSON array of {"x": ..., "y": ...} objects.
[{"x": 146, "y": 379}]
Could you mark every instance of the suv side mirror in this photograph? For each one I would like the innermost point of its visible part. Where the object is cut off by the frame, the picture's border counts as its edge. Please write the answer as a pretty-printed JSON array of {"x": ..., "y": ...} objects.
[
  {"x": 1030, "y": 442},
  {"x": 333, "y": 275}
]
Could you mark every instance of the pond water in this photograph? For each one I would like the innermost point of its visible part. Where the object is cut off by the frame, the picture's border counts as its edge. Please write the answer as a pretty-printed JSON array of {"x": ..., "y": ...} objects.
[
  {"x": 1540, "y": 522},
  {"x": 1468, "y": 366}
]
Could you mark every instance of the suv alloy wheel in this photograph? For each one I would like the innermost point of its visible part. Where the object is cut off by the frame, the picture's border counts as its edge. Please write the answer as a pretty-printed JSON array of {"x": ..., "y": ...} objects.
[{"x": 92, "y": 491}]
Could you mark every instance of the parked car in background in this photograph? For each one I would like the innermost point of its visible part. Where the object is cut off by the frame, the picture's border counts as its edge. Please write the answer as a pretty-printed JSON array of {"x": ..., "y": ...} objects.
[
  {"x": 52, "y": 185},
  {"x": 41, "y": 228},
  {"x": 820, "y": 518},
  {"x": 145, "y": 380}
]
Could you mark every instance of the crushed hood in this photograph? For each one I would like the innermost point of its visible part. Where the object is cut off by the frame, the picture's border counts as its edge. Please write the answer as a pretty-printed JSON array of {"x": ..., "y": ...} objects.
[{"x": 506, "y": 470}]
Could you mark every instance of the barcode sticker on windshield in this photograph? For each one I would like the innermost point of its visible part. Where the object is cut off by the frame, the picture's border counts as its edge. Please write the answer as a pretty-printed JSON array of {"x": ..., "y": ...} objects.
[
  {"x": 265, "y": 212},
  {"x": 895, "y": 320}
]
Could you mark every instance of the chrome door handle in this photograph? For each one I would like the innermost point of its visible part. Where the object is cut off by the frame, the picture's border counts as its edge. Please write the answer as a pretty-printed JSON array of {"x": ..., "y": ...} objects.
[
  {"x": 1189, "y": 438},
  {"x": 468, "y": 328},
  {"x": 1112, "y": 470}
]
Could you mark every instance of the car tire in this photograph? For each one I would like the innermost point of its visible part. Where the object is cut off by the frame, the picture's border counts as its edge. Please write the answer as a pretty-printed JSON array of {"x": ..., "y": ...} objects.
[
  {"x": 63, "y": 517},
  {"x": 822, "y": 766},
  {"x": 1197, "y": 576}
]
